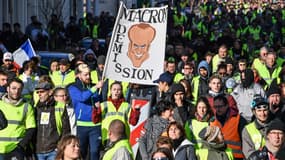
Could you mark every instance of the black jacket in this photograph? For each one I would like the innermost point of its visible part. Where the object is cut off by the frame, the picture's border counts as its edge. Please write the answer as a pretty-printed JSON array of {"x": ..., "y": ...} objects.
[
  {"x": 3, "y": 121},
  {"x": 47, "y": 136}
]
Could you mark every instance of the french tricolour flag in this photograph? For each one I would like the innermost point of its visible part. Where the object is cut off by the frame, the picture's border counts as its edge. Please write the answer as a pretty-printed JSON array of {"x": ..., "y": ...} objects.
[{"x": 24, "y": 53}]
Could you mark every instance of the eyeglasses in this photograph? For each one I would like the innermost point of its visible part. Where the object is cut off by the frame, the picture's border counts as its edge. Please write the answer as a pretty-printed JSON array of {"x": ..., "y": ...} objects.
[
  {"x": 160, "y": 158},
  {"x": 188, "y": 68}
]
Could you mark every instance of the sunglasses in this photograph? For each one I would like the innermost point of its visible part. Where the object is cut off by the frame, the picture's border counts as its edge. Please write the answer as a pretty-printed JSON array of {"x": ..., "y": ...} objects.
[{"x": 263, "y": 106}]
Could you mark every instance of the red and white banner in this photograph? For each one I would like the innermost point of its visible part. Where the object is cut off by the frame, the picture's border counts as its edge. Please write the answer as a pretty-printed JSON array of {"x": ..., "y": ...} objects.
[
  {"x": 136, "y": 130},
  {"x": 137, "y": 47}
]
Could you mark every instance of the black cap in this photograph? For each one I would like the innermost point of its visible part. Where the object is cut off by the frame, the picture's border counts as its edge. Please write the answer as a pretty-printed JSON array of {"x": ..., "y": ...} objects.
[
  {"x": 63, "y": 62},
  {"x": 276, "y": 124},
  {"x": 273, "y": 89},
  {"x": 165, "y": 77},
  {"x": 44, "y": 85}
]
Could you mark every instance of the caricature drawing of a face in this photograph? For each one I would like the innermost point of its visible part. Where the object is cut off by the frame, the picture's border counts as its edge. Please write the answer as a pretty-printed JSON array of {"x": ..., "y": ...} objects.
[{"x": 140, "y": 36}]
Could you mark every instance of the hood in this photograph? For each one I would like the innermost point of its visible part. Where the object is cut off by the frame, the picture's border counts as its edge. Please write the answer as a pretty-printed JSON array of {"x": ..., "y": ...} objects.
[
  {"x": 205, "y": 65},
  {"x": 13, "y": 102},
  {"x": 89, "y": 51}
]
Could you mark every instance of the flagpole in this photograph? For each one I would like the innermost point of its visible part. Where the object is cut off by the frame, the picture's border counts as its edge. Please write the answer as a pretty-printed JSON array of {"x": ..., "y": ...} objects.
[{"x": 112, "y": 39}]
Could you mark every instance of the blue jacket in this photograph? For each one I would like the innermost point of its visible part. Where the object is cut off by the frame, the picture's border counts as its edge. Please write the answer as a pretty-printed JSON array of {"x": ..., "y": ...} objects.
[{"x": 83, "y": 100}]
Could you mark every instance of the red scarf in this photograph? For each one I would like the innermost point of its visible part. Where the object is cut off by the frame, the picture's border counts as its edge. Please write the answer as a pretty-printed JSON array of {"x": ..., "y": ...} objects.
[{"x": 116, "y": 102}]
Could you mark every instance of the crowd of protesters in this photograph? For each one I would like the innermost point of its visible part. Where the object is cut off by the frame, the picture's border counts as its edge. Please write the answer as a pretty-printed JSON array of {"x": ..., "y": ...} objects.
[{"x": 221, "y": 95}]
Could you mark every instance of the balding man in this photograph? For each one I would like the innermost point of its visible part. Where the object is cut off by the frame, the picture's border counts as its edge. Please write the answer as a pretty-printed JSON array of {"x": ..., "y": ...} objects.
[{"x": 118, "y": 147}]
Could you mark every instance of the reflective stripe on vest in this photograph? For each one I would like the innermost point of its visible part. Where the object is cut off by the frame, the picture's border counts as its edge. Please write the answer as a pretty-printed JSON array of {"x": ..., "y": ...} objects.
[
  {"x": 264, "y": 73},
  {"x": 231, "y": 134},
  {"x": 255, "y": 136},
  {"x": 110, "y": 113},
  {"x": 58, "y": 111},
  {"x": 63, "y": 80},
  {"x": 16, "y": 117}
]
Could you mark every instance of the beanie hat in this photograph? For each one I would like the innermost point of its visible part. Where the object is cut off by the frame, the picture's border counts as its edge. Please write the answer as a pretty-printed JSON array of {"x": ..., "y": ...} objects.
[
  {"x": 101, "y": 59},
  {"x": 273, "y": 89},
  {"x": 276, "y": 124},
  {"x": 177, "y": 87},
  {"x": 209, "y": 133}
]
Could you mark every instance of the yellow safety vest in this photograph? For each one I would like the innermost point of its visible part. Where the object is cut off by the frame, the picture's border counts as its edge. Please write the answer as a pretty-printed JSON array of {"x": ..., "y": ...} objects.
[
  {"x": 255, "y": 136},
  {"x": 95, "y": 31},
  {"x": 195, "y": 84},
  {"x": 94, "y": 76},
  {"x": 109, "y": 113},
  {"x": 215, "y": 62},
  {"x": 122, "y": 143},
  {"x": 59, "y": 109},
  {"x": 178, "y": 77},
  {"x": 192, "y": 130},
  {"x": 264, "y": 73},
  {"x": 20, "y": 118},
  {"x": 61, "y": 81}
]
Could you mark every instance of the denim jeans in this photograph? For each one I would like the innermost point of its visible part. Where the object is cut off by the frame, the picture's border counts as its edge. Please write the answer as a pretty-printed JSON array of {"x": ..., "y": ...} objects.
[
  {"x": 89, "y": 136},
  {"x": 46, "y": 156}
]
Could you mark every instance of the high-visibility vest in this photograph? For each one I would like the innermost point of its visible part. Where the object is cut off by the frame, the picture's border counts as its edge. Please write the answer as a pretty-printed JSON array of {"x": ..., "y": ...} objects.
[
  {"x": 195, "y": 84},
  {"x": 264, "y": 74},
  {"x": 178, "y": 77},
  {"x": 231, "y": 134},
  {"x": 94, "y": 76},
  {"x": 109, "y": 113},
  {"x": 255, "y": 136},
  {"x": 202, "y": 154},
  {"x": 192, "y": 130},
  {"x": 59, "y": 109},
  {"x": 215, "y": 62},
  {"x": 95, "y": 31},
  {"x": 258, "y": 65},
  {"x": 122, "y": 143},
  {"x": 20, "y": 118},
  {"x": 61, "y": 81}
]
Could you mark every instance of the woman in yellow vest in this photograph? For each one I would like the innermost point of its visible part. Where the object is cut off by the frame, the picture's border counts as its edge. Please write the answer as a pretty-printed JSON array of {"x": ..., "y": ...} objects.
[
  {"x": 116, "y": 108},
  {"x": 203, "y": 115}
]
